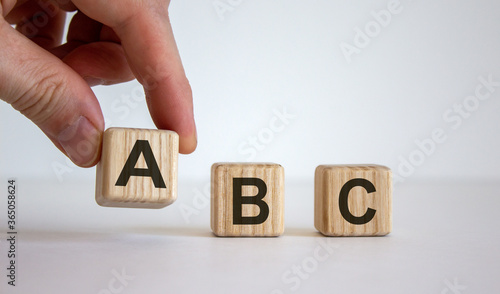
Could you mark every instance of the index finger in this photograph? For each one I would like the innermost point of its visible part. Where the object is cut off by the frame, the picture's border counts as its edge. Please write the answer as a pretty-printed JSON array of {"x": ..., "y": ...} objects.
[{"x": 148, "y": 41}]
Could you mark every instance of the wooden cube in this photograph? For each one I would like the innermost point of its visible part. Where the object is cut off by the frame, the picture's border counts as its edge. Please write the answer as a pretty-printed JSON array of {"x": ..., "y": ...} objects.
[
  {"x": 138, "y": 168},
  {"x": 247, "y": 199},
  {"x": 353, "y": 200}
]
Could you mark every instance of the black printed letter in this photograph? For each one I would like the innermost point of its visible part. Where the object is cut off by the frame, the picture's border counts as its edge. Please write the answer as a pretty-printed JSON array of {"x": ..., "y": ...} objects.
[
  {"x": 141, "y": 146},
  {"x": 344, "y": 197},
  {"x": 239, "y": 200}
]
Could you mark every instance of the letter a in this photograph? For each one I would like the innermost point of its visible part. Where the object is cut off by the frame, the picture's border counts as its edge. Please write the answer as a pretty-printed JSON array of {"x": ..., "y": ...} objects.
[{"x": 152, "y": 170}]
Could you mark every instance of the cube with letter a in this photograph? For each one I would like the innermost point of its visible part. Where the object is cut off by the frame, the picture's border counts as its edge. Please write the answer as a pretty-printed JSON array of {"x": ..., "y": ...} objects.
[
  {"x": 138, "y": 168},
  {"x": 353, "y": 200},
  {"x": 247, "y": 199}
]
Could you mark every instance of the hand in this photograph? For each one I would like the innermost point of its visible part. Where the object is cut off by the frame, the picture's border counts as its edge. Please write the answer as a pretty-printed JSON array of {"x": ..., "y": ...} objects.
[{"x": 108, "y": 42}]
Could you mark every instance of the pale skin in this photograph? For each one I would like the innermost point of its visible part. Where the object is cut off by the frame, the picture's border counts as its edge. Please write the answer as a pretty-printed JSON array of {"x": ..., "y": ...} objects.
[{"x": 109, "y": 42}]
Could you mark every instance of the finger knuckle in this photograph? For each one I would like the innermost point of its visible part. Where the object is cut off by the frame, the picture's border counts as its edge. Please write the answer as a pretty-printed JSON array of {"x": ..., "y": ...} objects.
[{"x": 42, "y": 100}]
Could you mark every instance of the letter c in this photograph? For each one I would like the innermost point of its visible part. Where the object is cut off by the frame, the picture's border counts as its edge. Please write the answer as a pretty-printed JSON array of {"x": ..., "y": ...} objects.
[{"x": 344, "y": 197}]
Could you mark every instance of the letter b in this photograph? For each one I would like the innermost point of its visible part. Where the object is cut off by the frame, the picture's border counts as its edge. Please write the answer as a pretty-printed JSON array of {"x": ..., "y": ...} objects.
[
  {"x": 239, "y": 200},
  {"x": 247, "y": 199}
]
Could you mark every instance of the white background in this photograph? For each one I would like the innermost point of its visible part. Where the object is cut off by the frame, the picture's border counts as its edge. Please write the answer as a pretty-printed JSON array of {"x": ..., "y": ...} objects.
[
  {"x": 275, "y": 55},
  {"x": 244, "y": 65}
]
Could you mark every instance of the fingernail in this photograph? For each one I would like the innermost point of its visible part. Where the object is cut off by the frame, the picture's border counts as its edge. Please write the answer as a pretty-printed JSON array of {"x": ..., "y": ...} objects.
[
  {"x": 92, "y": 81},
  {"x": 81, "y": 141},
  {"x": 196, "y": 135}
]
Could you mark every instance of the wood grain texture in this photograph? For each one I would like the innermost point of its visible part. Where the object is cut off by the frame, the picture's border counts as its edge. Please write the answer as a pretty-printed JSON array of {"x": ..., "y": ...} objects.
[
  {"x": 222, "y": 199},
  {"x": 140, "y": 191},
  {"x": 329, "y": 180}
]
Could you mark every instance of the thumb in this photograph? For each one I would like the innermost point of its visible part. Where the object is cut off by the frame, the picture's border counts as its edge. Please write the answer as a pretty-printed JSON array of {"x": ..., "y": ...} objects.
[{"x": 52, "y": 95}]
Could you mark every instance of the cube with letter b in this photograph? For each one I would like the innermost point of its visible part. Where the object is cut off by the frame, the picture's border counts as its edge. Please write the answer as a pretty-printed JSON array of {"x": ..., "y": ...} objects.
[
  {"x": 353, "y": 200},
  {"x": 247, "y": 199},
  {"x": 138, "y": 168}
]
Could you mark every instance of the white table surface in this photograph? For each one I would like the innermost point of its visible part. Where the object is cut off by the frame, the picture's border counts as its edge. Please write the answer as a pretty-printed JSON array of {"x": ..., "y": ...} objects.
[{"x": 445, "y": 240}]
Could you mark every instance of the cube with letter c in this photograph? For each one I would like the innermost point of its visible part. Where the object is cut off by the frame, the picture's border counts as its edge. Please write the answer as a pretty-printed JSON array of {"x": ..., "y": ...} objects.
[{"x": 353, "y": 200}]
